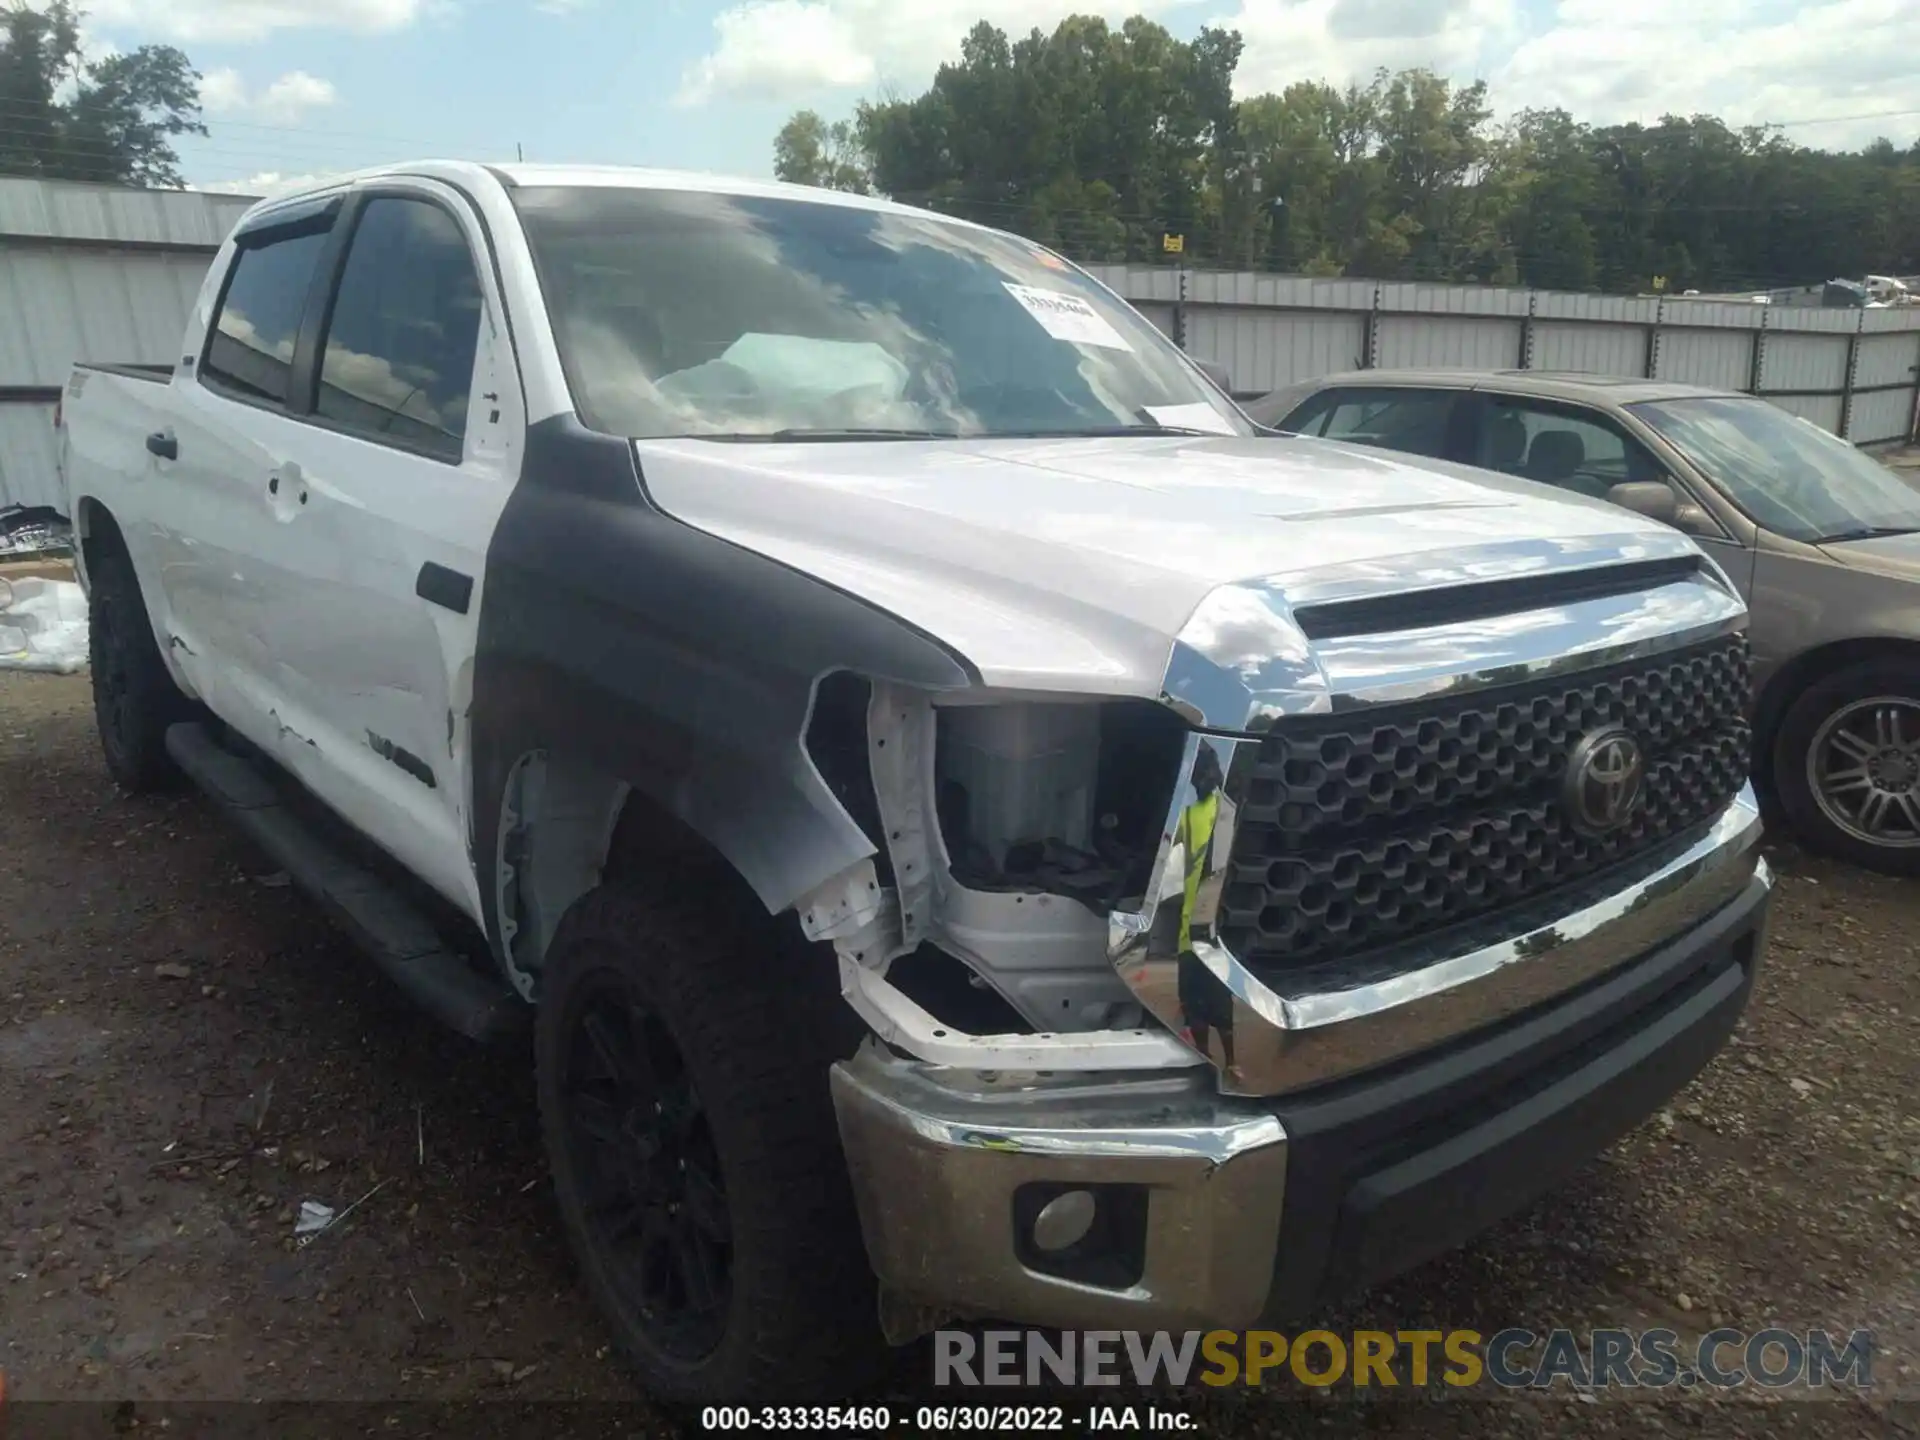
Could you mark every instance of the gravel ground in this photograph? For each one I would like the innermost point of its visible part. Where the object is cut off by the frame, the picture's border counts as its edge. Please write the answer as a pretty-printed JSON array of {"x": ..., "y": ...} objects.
[{"x": 187, "y": 1053}]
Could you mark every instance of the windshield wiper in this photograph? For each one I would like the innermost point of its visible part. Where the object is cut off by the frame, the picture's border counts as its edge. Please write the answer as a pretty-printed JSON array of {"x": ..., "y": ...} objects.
[
  {"x": 1866, "y": 532},
  {"x": 826, "y": 433}
]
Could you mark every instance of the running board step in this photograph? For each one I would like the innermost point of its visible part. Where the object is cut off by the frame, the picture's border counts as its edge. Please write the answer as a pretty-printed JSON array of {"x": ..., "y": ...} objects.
[{"x": 392, "y": 930}]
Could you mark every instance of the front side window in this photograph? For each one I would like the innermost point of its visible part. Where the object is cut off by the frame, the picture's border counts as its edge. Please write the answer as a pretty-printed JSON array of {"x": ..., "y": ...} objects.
[
  {"x": 1785, "y": 473},
  {"x": 698, "y": 314},
  {"x": 250, "y": 352},
  {"x": 1583, "y": 453},
  {"x": 1413, "y": 421},
  {"x": 398, "y": 360}
]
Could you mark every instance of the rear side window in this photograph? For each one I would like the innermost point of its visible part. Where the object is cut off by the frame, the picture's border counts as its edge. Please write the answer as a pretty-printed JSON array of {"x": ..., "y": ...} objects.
[
  {"x": 251, "y": 352},
  {"x": 1414, "y": 421},
  {"x": 398, "y": 362}
]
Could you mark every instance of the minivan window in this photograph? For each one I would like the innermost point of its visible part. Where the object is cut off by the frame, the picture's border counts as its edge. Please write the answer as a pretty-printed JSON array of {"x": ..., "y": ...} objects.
[
  {"x": 1784, "y": 472},
  {"x": 739, "y": 316},
  {"x": 251, "y": 348},
  {"x": 398, "y": 360}
]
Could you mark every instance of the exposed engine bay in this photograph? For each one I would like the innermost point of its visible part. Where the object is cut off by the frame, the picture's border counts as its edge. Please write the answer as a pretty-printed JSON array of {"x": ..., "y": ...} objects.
[{"x": 977, "y": 933}]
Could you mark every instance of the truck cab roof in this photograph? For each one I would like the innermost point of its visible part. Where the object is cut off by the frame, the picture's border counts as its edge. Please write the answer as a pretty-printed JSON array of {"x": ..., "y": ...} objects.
[{"x": 470, "y": 173}]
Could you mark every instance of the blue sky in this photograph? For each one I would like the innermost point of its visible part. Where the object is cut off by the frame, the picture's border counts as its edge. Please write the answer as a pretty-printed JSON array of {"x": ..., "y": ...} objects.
[{"x": 303, "y": 87}]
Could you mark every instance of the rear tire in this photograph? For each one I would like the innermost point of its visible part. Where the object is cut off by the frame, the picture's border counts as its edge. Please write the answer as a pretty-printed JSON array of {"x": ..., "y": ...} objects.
[
  {"x": 1846, "y": 766},
  {"x": 684, "y": 1098},
  {"x": 134, "y": 698}
]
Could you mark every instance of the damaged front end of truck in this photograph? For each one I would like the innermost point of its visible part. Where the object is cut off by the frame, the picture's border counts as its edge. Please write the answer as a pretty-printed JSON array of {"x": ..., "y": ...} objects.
[{"x": 1188, "y": 1010}]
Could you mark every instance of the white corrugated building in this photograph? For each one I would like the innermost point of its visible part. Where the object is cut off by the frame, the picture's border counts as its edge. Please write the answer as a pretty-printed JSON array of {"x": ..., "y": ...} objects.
[{"x": 89, "y": 272}]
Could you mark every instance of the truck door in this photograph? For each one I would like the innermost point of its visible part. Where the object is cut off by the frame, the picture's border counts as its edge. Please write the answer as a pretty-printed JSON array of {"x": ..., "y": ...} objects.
[
  {"x": 209, "y": 526},
  {"x": 383, "y": 507}
]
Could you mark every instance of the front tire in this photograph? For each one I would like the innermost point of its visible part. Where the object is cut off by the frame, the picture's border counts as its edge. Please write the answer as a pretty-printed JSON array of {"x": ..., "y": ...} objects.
[
  {"x": 1847, "y": 766},
  {"x": 696, "y": 1160},
  {"x": 134, "y": 697}
]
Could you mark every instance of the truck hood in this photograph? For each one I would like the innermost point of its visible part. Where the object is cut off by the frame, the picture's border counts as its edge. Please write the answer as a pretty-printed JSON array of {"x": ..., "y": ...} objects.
[{"x": 1072, "y": 564}]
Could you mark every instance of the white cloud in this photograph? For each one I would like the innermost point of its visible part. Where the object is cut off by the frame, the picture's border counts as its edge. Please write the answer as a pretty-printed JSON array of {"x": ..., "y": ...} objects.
[
  {"x": 778, "y": 46},
  {"x": 787, "y": 49},
  {"x": 1639, "y": 59},
  {"x": 284, "y": 102},
  {"x": 222, "y": 91},
  {"x": 1611, "y": 61},
  {"x": 293, "y": 95},
  {"x": 241, "y": 20},
  {"x": 1750, "y": 61},
  {"x": 1342, "y": 40}
]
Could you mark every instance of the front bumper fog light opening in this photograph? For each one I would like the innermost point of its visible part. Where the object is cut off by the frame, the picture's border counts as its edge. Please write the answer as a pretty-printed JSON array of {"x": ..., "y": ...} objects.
[
  {"x": 1064, "y": 1220},
  {"x": 1090, "y": 1234}
]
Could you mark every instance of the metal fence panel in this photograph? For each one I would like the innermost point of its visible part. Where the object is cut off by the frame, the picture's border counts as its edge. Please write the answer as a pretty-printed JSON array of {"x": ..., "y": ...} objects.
[
  {"x": 63, "y": 306},
  {"x": 27, "y": 456},
  {"x": 1888, "y": 360},
  {"x": 94, "y": 214},
  {"x": 1881, "y": 417},
  {"x": 1265, "y": 349},
  {"x": 1716, "y": 358},
  {"x": 1712, "y": 314},
  {"x": 1829, "y": 322},
  {"x": 1590, "y": 349},
  {"x": 1449, "y": 342},
  {"x": 1596, "y": 309},
  {"x": 1278, "y": 292},
  {"x": 1822, "y": 410},
  {"x": 1272, "y": 330},
  {"x": 1139, "y": 282},
  {"x": 1451, "y": 299},
  {"x": 1161, "y": 316},
  {"x": 1804, "y": 362}
]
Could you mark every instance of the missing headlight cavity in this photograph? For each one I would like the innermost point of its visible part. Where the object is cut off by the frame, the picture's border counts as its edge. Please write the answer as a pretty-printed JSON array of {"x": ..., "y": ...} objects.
[
  {"x": 1056, "y": 799},
  {"x": 837, "y": 744},
  {"x": 950, "y": 992}
]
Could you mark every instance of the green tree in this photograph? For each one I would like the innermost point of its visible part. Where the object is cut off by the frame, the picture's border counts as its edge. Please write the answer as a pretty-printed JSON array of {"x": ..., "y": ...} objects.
[
  {"x": 809, "y": 151},
  {"x": 69, "y": 117},
  {"x": 1100, "y": 139},
  {"x": 1558, "y": 188},
  {"x": 1097, "y": 140}
]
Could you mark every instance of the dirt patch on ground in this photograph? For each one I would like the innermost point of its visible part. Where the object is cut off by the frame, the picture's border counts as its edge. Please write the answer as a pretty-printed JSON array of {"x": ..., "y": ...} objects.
[{"x": 187, "y": 1053}]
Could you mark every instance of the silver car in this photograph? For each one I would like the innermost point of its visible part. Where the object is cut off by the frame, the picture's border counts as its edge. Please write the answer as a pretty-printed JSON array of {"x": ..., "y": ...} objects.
[{"x": 1822, "y": 540}]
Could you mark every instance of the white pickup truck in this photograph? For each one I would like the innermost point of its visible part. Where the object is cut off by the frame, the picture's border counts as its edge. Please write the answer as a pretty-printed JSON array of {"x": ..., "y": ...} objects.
[{"x": 978, "y": 828}]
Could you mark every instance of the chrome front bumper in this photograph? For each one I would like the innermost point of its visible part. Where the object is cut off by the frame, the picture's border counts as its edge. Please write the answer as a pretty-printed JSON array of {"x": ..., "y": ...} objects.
[{"x": 939, "y": 1155}]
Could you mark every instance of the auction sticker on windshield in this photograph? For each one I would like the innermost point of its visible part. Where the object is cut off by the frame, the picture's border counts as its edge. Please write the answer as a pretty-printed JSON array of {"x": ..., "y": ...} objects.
[{"x": 1067, "y": 317}]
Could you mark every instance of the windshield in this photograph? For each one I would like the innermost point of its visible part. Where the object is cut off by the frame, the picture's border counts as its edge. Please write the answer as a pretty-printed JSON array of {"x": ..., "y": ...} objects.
[
  {"x": 689, "y": 313},
  {"x": 1786, "y": 473}
]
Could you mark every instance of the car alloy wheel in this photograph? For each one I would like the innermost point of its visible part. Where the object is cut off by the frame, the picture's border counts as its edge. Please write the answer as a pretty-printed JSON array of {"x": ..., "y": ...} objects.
[{"x": 1864, "y": 770}]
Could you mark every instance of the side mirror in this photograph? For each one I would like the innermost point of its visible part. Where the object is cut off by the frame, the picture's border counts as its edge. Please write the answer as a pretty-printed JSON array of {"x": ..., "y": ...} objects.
[
  {"x": 1217, "y": 373},
  {"x": 1649, "y": 498},
  {"x": 1656, "y": 500}
]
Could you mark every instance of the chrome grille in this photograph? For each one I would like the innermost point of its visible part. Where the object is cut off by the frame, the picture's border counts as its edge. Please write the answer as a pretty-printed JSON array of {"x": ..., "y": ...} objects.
[{"x": 1364, "y": 829}]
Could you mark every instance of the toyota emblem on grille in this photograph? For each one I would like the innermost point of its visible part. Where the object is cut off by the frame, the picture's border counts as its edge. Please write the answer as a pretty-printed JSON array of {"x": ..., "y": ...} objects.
[{"x": 1605, "y": 776}]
